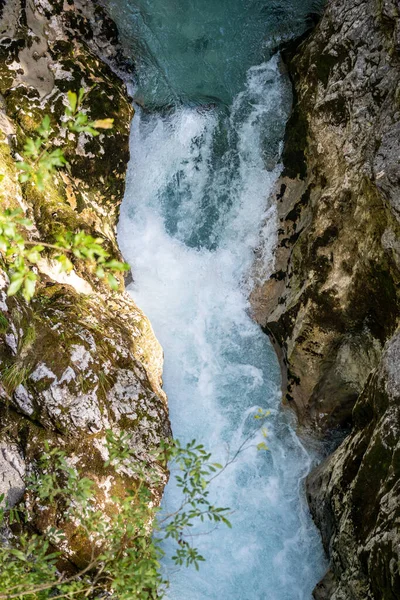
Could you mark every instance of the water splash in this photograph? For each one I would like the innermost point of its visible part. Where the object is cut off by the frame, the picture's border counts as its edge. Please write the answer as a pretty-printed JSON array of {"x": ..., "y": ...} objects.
[{"x": 197, "y": 191}]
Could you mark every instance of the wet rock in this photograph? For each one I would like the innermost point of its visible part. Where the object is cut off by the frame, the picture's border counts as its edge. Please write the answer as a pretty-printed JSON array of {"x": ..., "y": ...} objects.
[{"x": 355, "y": 494}]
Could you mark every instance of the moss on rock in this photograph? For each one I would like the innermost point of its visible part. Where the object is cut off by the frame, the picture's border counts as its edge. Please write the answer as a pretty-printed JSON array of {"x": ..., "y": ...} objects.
[{"x": 79, "y": 359}]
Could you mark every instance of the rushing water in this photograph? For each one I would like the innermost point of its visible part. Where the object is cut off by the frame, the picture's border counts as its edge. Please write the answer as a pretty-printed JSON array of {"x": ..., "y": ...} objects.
[{"x": 196, "y": 197}]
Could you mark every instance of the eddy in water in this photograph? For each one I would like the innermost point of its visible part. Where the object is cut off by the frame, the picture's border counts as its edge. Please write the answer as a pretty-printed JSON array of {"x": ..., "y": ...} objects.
[{"x": 197, "y": 193}]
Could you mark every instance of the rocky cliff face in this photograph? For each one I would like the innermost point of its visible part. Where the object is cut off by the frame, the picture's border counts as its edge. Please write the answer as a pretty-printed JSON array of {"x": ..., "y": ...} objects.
[
  {"x": 79, "y": 359},
  {"x": 354, "y": 494},
  {"x": 332, "y": 305}
]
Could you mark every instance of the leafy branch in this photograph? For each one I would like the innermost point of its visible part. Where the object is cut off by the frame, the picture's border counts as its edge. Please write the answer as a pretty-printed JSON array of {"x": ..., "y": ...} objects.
[
  {"x": 39, "y": 162},
  {"x": 124, "y": 557},
  {"x": 125, "y": 542},
  {"x": 78, "y": 121},
  {"x": 21, "y": 255}
]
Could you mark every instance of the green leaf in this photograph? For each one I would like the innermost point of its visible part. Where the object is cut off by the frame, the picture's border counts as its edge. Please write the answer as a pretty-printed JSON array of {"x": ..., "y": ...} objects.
[
  {"x": 72, "y": 100},
  {"x": 45, "y": 128},
  {"x": 23, "y": 166},
  {"x": 65, "y": 264},
  {"x": 24, "y": 177},
  {"x": 90, "y": 130},
  {"x": 33, "y": 255},
  {"x": 18, "y": 554},
  {"x": 103, "y": 124},
  {"x": 30, "y": 148},
  {"x": 29, "y": 286},
  {"x": 116, "y": 265},
  {"x": 227, "y": 522},
  {"x": 15, "y": 286}
]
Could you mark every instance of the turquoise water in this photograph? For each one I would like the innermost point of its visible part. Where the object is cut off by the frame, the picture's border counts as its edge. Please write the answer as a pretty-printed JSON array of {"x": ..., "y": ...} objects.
[
  {"x": 199, "y": 51},
  {"x": 196, "y": 207}
]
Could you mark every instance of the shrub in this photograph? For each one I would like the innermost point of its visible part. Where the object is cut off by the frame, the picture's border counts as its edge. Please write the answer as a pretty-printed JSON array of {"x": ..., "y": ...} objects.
[{"x": 125, "y": 542}]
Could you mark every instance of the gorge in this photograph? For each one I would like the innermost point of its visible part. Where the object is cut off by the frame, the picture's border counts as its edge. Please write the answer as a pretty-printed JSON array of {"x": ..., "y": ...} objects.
[
  {"x": 252, "y": 175},
  {"x": 196, "y": 196}
]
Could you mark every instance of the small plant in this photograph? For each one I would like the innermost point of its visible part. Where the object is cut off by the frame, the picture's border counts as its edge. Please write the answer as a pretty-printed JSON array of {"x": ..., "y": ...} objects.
[
  {"x": 21, "y": 255},
  {"x": 105, "y": 382},
  {"x": 13, "y": 375},
  {"x": 4, "y": 324},
  {"x": 125, "y": 541},
  {"x": 28, "y": 337},
  {"x": 39, "y": 159},
  {"x": 39, "y": 162}
]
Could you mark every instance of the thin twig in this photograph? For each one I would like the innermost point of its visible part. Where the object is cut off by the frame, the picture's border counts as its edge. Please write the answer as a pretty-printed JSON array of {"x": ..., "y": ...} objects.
[{"x": 53, "y": 246}]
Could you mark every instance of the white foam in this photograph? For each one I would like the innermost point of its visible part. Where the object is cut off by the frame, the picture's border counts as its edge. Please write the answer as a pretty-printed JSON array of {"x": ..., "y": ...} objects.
[{"x": 219, "y": 366}]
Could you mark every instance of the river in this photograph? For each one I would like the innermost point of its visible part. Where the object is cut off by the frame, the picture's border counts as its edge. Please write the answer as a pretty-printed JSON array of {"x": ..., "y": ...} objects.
[{"x": 205, "y": 153}]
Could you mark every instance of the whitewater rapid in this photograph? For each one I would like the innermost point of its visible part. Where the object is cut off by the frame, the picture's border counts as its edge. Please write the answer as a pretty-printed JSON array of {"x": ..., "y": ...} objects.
[{"x": 197, "y": 192}]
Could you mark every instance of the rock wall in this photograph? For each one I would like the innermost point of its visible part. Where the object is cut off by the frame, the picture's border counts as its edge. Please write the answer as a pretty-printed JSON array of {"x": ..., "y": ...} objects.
[
  {"x": 79, "y": 359},
  {"x": 354, "y": 494},
  {"x": 332, "y": 305}
]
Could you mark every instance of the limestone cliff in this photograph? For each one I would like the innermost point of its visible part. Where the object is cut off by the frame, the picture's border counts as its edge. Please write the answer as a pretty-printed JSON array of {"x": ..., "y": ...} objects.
[
  {"x": 79, "y": 359},
  {"x": 332, "y": 304}
]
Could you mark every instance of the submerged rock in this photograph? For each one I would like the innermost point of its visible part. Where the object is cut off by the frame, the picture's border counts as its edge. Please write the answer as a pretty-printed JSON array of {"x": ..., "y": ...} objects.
[
  {"x": 332, "y": 304},
  {"x": 79, "y": 359}
]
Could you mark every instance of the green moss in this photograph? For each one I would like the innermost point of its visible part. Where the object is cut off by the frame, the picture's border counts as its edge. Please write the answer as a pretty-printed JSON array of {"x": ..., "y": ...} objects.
[
  {"x": 4, "y": 324},
  {"x": 23, "y": 107},
  {"x": 28, "y": 337},
  {"x": 6, "y": 76}
]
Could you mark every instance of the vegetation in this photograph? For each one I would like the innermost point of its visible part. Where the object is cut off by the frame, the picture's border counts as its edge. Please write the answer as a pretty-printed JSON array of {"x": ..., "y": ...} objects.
[
  {"x": 39, "y": 161},
  {"x": 4, "y": 324},
  {"x": 20, "y": 254},
  {"x": 123, "y": 553},
  {"x": 125, "y": 540},
  {"x": 13, "y": 375}
]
